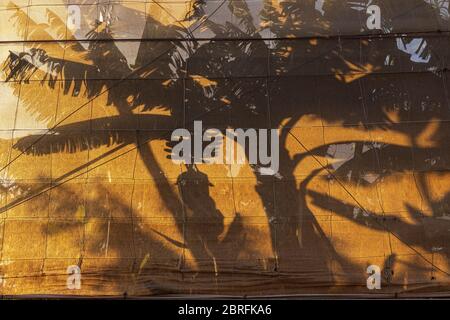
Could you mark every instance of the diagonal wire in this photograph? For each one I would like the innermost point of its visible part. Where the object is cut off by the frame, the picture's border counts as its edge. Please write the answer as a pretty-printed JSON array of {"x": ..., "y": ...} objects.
[
  {"x": 142, "y": 143},
  {"x": 176, "y": 20},
  {"x": 101, "y": 93},
  {"x": 136, "y": 146},
  {"x": 363, "y": 208}
]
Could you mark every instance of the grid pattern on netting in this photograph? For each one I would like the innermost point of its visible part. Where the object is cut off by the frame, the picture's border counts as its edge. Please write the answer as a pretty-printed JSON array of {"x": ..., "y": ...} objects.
[{"x": 87, "y": 177}]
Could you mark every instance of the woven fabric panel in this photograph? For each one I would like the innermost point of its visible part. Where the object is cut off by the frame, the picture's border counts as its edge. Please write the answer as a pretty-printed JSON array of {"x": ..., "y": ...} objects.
[{"x": 91, "y": 91}]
